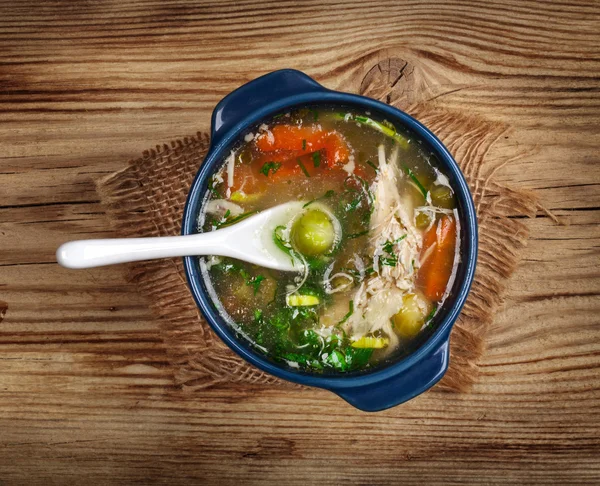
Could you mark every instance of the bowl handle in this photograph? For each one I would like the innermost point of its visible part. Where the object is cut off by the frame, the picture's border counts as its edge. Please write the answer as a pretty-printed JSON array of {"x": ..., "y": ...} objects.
[
  {"x": 257, "y": 94},
  {"x": 401, "y": 387}
]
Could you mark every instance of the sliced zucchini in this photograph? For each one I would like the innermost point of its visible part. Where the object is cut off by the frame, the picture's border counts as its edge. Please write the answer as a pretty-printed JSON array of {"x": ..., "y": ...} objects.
[
  {"x": 371, "y": 342},
  {"x": 296, "y": 300},
  {"x": 242, "y": 197}
]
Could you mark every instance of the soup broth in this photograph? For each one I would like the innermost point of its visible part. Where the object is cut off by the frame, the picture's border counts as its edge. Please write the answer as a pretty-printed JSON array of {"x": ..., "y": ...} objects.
[{"x": 378, "y": 239}]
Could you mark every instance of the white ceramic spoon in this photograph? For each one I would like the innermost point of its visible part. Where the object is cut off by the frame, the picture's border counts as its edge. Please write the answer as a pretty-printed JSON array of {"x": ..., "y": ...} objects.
[{"x": 250, "y": 240}]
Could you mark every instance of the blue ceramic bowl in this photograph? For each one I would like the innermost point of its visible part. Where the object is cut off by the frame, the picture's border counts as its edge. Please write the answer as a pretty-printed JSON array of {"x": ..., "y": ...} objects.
[{"x": 390, "y": 384}]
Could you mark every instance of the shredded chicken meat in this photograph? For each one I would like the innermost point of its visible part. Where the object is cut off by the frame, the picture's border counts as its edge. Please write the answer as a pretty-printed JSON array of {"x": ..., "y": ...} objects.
[{"x": 395, "y": 245}]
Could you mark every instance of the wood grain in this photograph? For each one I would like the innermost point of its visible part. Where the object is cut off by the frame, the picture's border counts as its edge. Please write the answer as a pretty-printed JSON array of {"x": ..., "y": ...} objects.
[{"x": 85, "y": 389}]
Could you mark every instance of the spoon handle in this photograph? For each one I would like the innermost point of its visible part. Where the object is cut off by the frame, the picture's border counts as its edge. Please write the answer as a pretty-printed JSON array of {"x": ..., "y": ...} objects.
[{"x": 96, "y": 253}]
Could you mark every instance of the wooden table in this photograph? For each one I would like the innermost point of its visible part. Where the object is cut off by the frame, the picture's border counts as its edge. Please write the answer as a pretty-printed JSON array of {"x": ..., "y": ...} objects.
[{"x": 85, "y": 387}]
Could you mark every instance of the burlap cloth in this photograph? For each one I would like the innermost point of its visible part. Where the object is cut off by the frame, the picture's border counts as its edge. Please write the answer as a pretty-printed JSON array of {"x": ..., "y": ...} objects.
[{"x": 147, "y": 199}]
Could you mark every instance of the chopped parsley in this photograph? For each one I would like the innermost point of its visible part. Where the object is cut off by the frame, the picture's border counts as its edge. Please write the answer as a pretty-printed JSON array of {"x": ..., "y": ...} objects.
[
  {"x": 251, "y": 281},
  {"x": 280, "y": 242},
  {"x": 353, "y": 204},
  {"x": 228, "y": 221},
  {"x": 375, "y": 168},
  {"x": 316, "y": 157},
  {"x": 212, "y": 187},
  {"x": 302, "y": 167},
  {"x": 390, "y": 261},
  {"x": 270, "y": 167},
  {"x": 350, "y": 312},
  {"x": 430, "y": 316},
  {"x": 254, "y": 282},
  {"x": 327, "y": 195},
  {"x": 413, "y": 177},
  {"x": 303, "y": 144},
  {"x": 388, "y": 246}
]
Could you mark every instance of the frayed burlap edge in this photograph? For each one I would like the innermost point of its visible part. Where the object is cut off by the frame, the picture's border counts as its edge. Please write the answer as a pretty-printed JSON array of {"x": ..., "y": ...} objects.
[
  {"x": 502, "y": 237},
  {"x": 147, "y": 199}
]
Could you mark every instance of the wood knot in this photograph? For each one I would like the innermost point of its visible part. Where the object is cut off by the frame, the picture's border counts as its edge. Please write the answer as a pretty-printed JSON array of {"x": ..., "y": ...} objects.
[{"x": 392, "y": 81}]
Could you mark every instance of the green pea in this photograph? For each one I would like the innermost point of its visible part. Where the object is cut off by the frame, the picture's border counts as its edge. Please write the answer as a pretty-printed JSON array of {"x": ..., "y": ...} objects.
[
  {"x": 313, "y": 234},
  {"x": 442, "y": 197}
]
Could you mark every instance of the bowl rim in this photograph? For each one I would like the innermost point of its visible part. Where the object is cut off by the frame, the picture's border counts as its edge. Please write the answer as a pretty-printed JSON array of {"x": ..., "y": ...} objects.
[{"x": 223, "y": 329}]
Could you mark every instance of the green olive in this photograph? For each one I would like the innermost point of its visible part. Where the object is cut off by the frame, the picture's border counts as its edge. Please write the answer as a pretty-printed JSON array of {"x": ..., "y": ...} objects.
[
  {"x": 410, "y": 319},
  {"x": 423, "y": 220},
  {"x": 442, "y": 197},
  {"x": 313, "y": 234}
]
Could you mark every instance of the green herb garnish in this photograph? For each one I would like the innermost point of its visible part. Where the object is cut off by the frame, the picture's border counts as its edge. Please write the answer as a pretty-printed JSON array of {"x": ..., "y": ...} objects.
[
  {"x": 390, "y": 261},
  {"x": 212, "y": 187},
  {"x": 416, "y": 181},
  {"x": 430, "y": 316},
  {"x": 316, "y": 157},
  {"x": 282, "y": 244},
  {"x": 302, "y": 167},
  {"x": 303, "y": 144},
  {"x": 251, "y": 281},
  {"x": 237, "y": 219},
  {"x": 388, "y": 246},
  {"x": 375, "y": 168},
  {"x": 384, "y": 127},
  {"x": 357, "y": 358},
  {"x": 350, "y": 312},
  {"x": 270, "y": 166},
  {"x": 315, "y": 114},
  {"x": 289, "y": 332},
  {"x": 353, "y": 204},
  {"x": 255, "y": 282},
  {"x": 327, "y": 195}
]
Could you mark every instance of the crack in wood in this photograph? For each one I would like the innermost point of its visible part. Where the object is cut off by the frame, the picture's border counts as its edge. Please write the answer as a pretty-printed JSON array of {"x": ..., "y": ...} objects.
[{"x": 44, "y": 204}]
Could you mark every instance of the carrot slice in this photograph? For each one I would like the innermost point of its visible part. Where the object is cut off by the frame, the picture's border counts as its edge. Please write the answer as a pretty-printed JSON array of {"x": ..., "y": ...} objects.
[
  {"x": 438, "y": 251},
  {"x": 336, "y": 149},
  {"x": 293, "y": 164},
  {"x": 288, "y": 137},
  {"x": 305, "y": 140}
]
